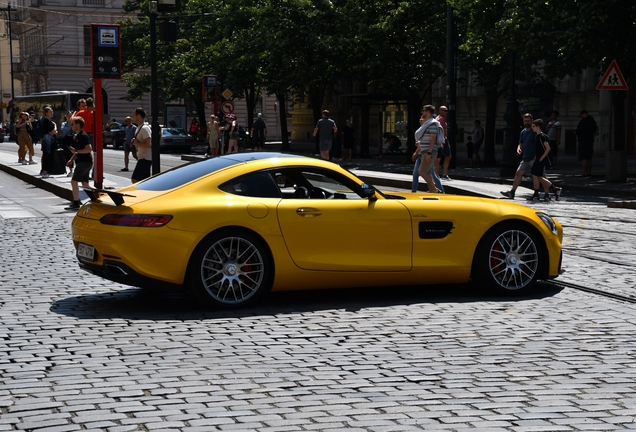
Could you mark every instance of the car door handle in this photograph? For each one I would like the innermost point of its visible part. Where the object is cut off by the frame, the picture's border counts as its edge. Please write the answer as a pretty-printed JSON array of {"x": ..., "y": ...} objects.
[{"x": 308, "y": 212}]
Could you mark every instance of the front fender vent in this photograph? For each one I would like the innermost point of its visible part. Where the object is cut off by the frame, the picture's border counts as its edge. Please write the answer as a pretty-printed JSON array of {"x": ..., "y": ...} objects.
[{"x": 434, "y": 230}]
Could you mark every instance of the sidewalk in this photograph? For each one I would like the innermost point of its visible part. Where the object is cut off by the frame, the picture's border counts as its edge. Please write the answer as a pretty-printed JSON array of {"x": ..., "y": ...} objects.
[
  {"x": 396, "y": 171},
  {"x": 59, "y": 185}
]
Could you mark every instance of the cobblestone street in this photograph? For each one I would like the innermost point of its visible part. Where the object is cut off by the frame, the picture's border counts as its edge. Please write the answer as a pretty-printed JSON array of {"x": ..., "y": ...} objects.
[{"x": 81, "y": 353}]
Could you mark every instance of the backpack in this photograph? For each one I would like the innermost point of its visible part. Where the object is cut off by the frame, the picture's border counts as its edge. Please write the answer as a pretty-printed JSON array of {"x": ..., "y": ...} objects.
[{"x": 38, "y": 129}]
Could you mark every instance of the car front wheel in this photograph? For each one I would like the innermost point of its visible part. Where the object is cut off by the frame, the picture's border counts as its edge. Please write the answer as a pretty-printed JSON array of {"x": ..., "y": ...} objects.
[
  {"x": 509, "y": 258},
  {"x": 231, "y": 269}
]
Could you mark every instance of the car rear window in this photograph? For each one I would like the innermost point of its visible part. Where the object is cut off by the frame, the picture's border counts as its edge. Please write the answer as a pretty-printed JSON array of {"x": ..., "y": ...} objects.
[{"x": 184, "y": 174}]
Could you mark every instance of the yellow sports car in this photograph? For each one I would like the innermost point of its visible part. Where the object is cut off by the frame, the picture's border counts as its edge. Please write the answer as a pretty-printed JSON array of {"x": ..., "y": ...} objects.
[{"x": 233, "y": 227}]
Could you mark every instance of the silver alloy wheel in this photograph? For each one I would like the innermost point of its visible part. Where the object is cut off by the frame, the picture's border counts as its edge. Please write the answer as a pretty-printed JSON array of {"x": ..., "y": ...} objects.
[
  {"x": 232, "y": 270},
  {"x": 513, "y": 259}
]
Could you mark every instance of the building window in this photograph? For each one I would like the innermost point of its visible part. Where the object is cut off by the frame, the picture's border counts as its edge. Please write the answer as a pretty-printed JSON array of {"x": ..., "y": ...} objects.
[
  {"x": 93, "y": 2},
  {"x": 87, "y": 40}
]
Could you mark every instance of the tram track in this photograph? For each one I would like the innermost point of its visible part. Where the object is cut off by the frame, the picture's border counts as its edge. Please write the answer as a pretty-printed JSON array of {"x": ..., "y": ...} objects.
[{"x": 620, "y": 297}]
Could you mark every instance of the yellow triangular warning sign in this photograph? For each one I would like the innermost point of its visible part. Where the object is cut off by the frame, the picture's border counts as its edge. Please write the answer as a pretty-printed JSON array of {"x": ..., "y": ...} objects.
[{"x": 613, "y": 79}]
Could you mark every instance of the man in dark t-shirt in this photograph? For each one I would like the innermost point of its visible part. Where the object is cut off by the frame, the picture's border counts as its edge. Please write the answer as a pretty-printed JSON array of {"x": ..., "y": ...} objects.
[
  {"x": 259, "y": 132},
  {"x": 82, "y": 158}
]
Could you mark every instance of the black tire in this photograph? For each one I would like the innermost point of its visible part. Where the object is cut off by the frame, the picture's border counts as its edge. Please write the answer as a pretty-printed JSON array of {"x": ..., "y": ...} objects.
[
  {"x": 231, "y": 268},
  {"x": 509, "y": 259}
]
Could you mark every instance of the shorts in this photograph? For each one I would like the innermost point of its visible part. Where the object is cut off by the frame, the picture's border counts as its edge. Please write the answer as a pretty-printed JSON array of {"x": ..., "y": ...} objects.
[
  {"x": 142, "y": 169},
  {"x": 82, "y": 171},
  {"x": 259, "y": 142},
  {"x": 586, "y": 150},
  {"x": 477, "y": 146},
  {"x": 538, "y": 168},
  {"x": 326, "y": 145},
  {"x": 126, "y": 147},
  {"x": 469, "y": 150},
  {"x": 526, "y": 166},
  {"x": 427, "y": 167},
  {"x": 444, "y": 151}
]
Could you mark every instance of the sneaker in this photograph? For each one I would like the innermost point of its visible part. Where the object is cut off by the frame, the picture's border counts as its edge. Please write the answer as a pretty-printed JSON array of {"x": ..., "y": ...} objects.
[
  {"x": 25, "y": 162},
  {"x": 546, "y": 197},
  {"x": 126, "y": 169},
  {"x": 20, "y": 161},
  {"x": 32, "y": 162},
  {"x": 508, "y": 194},
  {"x": 73, "y": 206},
  {"x": 557, "y": 192},
  {"x": 534, "y": 197},
  {"x": 46, "y": 175},
  {"x": 70, "y": 174},
  {"x": 445, "y": 177}
]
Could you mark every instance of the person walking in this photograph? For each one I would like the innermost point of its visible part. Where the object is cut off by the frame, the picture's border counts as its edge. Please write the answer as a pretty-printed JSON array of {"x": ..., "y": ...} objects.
[
  {"x": 325, "y": 130},
  {"x": 129, "y": 134},
  {"x": 585, "y": 132},
  {"x": 554, "y": 135},
  {"x": 83, "y": 159},
  {"x": 25, "y": 143},
  {"x": 477, "y": 135},
  {"x": 66, "y": 137},
  {"x": 426, "y": 138},
  {"x": 259, "y": 132},
  {"x": 142, "y": 140},
  {"x": 47, "y": 126},
  {"x": 526, "y": 148},
  {"x": 214, "y": 133},
  {"x": 443, "y": 157},
  {"x": 348, "y": 141},
  {"x": 234, "y": 135},
  {"x": 541, "y": 162}
]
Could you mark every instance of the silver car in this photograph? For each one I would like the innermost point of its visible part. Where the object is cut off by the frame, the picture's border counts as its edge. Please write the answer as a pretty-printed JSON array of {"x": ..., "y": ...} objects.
[{"x": 176, "y": 138}]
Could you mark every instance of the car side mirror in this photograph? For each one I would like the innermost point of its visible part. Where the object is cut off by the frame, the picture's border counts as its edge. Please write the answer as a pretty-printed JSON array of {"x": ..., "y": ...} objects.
[{"x": 367, "y": 191}]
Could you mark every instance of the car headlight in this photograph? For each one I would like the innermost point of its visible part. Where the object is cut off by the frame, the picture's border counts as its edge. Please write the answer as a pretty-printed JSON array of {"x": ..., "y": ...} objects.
[{"x": 548, "y": 221}]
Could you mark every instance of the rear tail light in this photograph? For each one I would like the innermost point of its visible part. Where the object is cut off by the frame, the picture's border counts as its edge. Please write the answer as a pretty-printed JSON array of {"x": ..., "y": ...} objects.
[
  {"x": 167, "y": 140},
  {"x": 136, "y": 220}
]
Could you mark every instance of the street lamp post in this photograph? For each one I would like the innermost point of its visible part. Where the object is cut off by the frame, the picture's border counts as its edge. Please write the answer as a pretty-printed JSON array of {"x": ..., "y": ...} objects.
[
  {"x": 154, "y": 97},
  {"x": 12, "y": 134},
  {"x": 511, "y": 116}
]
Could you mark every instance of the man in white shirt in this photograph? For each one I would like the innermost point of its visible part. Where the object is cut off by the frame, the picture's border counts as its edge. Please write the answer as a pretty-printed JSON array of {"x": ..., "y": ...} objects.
[{"x": 142, "y": 141}]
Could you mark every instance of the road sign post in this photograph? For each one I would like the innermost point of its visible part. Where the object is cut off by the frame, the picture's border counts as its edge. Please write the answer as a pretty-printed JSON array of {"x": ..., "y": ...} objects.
[{"x": 106, "y": 64}]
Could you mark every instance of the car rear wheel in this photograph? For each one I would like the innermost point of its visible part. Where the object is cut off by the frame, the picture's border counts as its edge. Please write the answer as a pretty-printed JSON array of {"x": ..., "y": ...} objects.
[
  {"x": 231, "y": 268},
  {"x": 509, "y": 258}
]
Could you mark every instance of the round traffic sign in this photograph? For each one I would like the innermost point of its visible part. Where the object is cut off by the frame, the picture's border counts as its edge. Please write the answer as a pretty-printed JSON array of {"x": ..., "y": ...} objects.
[{"x": 227, "y": 107}]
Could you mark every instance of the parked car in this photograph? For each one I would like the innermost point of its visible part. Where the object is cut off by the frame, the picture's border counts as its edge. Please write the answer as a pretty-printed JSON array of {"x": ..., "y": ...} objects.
[
  {"x": 230, "y": 228},
  {"x": 176, "y": 138},
  {"x": 114, "y": 135}
]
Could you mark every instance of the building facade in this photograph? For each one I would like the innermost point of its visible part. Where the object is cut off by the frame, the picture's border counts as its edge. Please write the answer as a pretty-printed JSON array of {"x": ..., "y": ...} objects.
[{"x": 54, "y": 37}]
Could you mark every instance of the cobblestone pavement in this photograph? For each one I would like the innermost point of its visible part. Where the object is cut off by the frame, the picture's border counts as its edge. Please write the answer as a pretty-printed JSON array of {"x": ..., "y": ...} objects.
[{"x": 81, "y": 353}]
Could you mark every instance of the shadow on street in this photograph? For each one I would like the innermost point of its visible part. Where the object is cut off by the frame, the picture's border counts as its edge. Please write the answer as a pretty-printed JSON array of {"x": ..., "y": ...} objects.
[{"x": 162, "y": 304}]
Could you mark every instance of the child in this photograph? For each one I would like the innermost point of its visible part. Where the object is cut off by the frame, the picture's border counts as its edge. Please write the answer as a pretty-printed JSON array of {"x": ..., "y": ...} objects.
[
  {"x": 49, "y": 145},
  {"x": 470, "y": 148}
]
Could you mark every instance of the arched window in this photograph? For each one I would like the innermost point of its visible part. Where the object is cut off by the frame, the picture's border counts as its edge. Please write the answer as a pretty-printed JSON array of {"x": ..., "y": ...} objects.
[{"x": 104, "y": 99}]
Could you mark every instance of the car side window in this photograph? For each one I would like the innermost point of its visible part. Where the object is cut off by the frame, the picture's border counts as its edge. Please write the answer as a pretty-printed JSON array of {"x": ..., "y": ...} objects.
[
  {"x": 259, "y": 185},
  {"x": 303, "y": 183}
]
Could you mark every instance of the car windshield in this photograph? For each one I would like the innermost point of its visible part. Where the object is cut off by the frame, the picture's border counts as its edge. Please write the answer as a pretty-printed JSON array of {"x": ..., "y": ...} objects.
[{"x": 174, "y": 132}]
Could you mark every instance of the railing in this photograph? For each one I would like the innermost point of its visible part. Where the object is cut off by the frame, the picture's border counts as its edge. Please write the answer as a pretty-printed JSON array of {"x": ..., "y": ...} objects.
[{"x": 93, "y": 2}]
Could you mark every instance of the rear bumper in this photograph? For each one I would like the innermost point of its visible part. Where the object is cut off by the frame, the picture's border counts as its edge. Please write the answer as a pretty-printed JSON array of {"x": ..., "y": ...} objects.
[{"x": 118, "y": 272}]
